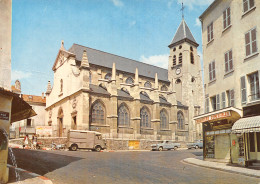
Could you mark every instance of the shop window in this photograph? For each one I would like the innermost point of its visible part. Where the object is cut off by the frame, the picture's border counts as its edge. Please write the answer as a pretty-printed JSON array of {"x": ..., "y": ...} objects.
[
  {"x": 226, "y": 18},
  {"x": 210, "y": 147},
  {"x": 258, "y": 141},
  {"x": 252, "y": 142},
  {"x": 248, "y": 5},
  {"x": 254, "y": 86}
]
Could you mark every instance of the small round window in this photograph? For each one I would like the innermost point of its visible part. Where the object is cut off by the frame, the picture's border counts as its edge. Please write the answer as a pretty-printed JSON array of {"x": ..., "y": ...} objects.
[
  {"x": 174, "y": 49},
  {"x": 180, "y": 46}
]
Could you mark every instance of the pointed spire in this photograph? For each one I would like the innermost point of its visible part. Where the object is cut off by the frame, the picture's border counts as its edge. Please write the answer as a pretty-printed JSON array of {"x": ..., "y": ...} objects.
[
  {"x": 48, "y": 91},
  {"x": 62, "y": 45},
  {"x": 84, "y": 61},
  {"x": 183, "y": 34},
  {"x": 136, "y": 77},
  {"x": 113, "y": 78},
  {"x": 156, "y": 86}
]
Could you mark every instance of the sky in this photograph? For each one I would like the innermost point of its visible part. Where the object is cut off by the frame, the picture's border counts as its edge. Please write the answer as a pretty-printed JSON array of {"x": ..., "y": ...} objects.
[{"x": 135, "y": 29}]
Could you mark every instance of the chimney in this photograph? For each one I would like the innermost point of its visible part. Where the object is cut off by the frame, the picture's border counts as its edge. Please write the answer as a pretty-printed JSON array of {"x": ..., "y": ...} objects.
[
  {"x": 42, "y": 95},
  {"x": 48, "y": 88}
]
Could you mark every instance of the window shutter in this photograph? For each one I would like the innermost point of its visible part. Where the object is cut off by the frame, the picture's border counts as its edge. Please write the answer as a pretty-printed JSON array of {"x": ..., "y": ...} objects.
[
  {"x": 223, "y": 100},
  {"x": 232, "y": 98},
  {"x": 226, "y": 62},
  {"x": 210, "y": 77},
  {"x": 245, "y": 5},
  {"x": 211, "y": 25},
  {"x": 217, "y": 102},
  {"x": 230, "y": 60},
  {"x": 243, "y": 89},
  {"x": 208, "y": 34},
  {"x": 224, "y": 19},
  {"x": 251, "y": 3},
  {"x": 229, "y": 17},
  {"x": 213, "y": 70},
  {"x": 253, "y": 39}
]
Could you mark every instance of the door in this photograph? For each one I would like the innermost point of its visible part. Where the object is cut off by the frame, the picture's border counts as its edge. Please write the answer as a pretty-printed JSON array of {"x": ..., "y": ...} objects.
[{"x": 60, "y": 127}]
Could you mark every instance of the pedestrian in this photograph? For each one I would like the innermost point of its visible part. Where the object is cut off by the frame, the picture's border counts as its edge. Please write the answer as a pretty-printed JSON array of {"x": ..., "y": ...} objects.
[
  {"x": 25, "y": 141},
  {"x": 34, "y": 140}
]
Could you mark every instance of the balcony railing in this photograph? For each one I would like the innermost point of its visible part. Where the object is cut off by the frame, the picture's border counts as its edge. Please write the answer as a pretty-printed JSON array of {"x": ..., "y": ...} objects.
[{"x": 254, "y": 97}]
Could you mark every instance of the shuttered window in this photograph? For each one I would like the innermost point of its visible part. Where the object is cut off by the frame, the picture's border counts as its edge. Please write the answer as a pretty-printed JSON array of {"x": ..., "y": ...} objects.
[
  {"x": 217, "y": 102},
  {"x": 243, "y": 89},
  {"x": 206, "y": 103},
  {"x": 248, "y": 5},
  {"x": 174, "y": 60},
  {"x": 223, "y": 100},
  {"x": 228, "y": 61},
  {"x": 212, "y": 71},
  {"x": 226, "y": 18},
  {"x": 250, "y": 40},
  {"x": 232, "y": 98},
  {"x": 210, "y": 32}
]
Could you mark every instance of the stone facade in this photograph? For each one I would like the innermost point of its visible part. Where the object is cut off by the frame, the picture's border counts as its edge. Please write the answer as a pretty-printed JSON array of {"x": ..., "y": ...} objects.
[{"x": 123, "y": 98}]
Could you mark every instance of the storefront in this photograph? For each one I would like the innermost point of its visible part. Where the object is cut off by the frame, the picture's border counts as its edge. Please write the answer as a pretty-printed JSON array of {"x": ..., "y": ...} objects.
[
  {"x": 247, "y": 135},
  {"x": 217, "y": 136}
]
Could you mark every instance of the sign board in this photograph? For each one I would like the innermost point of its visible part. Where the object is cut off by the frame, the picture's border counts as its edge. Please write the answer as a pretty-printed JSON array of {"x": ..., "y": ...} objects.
[
  {"x": 4, "y": 115},
  {"x": 214, "y": 116},
  {"x": 45, "y": 131},
  {"x": 241, "y": 161},
  {"x": 134, "y": 144}
]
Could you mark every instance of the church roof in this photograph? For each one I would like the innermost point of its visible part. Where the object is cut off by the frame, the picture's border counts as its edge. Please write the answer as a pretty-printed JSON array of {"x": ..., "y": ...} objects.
[
  {"x": 105, "y": 59},
  {"x": 182, "y": 34}
]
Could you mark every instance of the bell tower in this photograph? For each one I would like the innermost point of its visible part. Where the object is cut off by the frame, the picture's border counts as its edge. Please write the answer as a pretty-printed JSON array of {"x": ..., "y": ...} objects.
[{"x": 184, "y": 72}]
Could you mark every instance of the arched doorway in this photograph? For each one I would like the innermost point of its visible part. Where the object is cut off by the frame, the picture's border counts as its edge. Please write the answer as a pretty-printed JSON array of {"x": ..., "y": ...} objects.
[{"x": 60, "y": 122}]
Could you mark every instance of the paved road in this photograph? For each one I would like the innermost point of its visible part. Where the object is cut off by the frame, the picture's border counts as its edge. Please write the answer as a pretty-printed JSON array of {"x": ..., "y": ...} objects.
[{"x": 66, "y": 167}]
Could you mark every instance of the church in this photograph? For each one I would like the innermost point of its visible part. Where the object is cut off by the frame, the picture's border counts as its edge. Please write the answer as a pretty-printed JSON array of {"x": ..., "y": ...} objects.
[{"x": 127, "y": 99}]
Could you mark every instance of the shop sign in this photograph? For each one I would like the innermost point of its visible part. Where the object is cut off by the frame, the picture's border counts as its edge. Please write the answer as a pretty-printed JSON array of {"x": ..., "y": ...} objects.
[
  {"x": 134, "y": 144},
  {"x": 4, "y": 115},
  {"x": 214, "y": 116}
]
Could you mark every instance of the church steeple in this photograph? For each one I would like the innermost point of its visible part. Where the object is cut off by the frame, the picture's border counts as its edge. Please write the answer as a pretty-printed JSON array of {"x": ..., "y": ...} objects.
[{"x": 183, "y": 34}]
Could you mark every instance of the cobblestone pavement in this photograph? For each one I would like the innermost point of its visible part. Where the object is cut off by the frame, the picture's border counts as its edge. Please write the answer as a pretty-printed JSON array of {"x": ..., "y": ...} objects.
[{"x": 66, "y": 167}]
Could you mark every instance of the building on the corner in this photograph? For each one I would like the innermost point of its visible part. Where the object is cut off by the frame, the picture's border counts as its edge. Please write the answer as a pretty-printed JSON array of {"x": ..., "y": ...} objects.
[
  {"x": 230, "y": 39},
  {"x": 126, "y": 99},
  {"x": 32, "y": 125}
]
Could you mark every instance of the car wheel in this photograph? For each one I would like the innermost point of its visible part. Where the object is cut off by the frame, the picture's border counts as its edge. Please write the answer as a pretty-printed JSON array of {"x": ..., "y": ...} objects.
[
  {"x": 196, "y": 147},
  {"x": 74, "y": 147},
  {"x": 160, "y": 149},
  {"x": 98, "y": 148},
  {"x": 175, "y": 147}
]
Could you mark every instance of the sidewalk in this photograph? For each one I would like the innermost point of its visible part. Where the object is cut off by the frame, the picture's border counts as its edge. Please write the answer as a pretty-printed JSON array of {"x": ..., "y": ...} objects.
[
  {"x": 223, "y": 167},
  {"x": 26, "y": 177}
]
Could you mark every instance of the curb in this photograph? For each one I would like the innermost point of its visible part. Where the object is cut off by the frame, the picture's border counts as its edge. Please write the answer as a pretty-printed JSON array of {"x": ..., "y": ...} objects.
[
  {"x": 230, "y": 169},
  {"x": 42, "y": 178}
]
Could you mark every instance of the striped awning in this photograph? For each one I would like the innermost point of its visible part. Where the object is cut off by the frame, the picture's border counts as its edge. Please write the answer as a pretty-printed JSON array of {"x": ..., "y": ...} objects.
[{"x": 245, "y": 125}]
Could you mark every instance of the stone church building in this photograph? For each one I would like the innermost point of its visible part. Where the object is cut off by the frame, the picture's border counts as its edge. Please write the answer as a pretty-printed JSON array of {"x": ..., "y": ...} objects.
[{"x": 127, "y": 99}]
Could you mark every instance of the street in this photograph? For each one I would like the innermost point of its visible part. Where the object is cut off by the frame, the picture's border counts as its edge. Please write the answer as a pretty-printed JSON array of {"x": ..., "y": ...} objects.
[{"x": 122, "y": 167}]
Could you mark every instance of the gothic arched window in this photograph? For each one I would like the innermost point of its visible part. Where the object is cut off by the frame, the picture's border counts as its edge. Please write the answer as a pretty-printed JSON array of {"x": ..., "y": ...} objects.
[
  {"x": 98, "y": 113},
  {"x": 191, "y": 58},
  {"x": 180, "y": 58},
  {"x": 145, "y": 118},
  {"x": 164, "y": 123},
  {"x": 108, "y": 76},
  {"x": 147, "y": 84},
  {"x": 174, "y": 60},
  {"x": 129, "y": 80},
  {"x": 164, "y": 88},
  {"x": 123, "y": 116},
  {"x": 180, "y": 119}
]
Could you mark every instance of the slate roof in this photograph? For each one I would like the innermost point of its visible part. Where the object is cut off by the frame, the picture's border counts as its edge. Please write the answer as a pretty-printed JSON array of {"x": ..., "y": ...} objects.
[
  {"x": 183, "y": 33},
  {"x": 105, "y": 59},
  {"x": 144, "y": 97},
  {"x": 123, "y": 94},
  {"x": 163, "y": 101},
  {"x": 98, "y": 89}
]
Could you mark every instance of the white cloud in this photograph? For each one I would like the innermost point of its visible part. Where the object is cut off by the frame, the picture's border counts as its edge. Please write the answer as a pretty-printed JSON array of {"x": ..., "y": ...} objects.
[
  {"x": 198, "y": 23},
  {"x": 20, "y": 75},
  {"x": 169, "y": 4},
  {"x": 192, "y": 3},
  {"x": 118, "y": 3},
  {"x": 132, "y": 23},
  {"x": 157, "y": 60}
]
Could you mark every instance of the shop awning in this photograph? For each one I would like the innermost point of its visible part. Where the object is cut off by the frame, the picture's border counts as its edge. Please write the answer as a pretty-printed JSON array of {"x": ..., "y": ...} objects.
[{"x": 244, "y": 125}]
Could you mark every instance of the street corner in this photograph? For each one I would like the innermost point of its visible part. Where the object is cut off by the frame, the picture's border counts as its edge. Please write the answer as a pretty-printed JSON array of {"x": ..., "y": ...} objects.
[{"x": 21, "y": 176}]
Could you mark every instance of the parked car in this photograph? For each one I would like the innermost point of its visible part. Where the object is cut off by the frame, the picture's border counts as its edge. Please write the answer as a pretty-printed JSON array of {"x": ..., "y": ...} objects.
[
  {"x": 165, "y": 145},
  {"x": 80, "y": 139},
  {"x": 196, "y": 144}
]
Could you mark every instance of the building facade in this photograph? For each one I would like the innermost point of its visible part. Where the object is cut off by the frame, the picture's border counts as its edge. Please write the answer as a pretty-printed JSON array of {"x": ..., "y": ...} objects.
[
  {"x": 231, "y": 77},
  {"x": 126, "y": 99}
]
